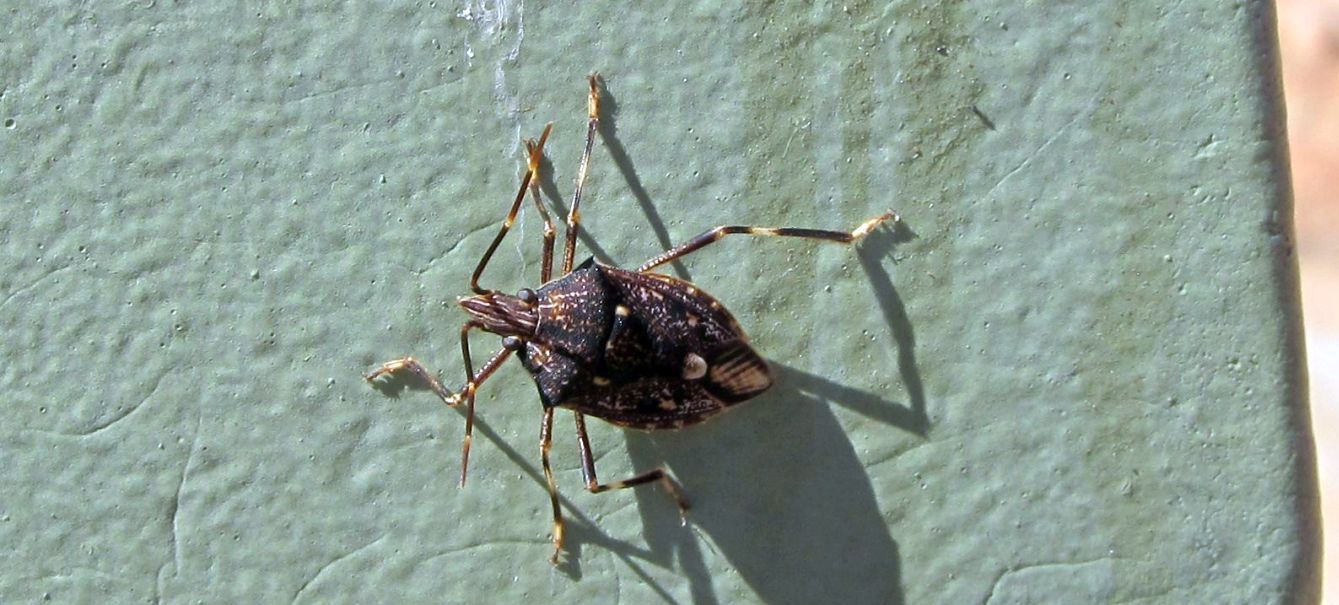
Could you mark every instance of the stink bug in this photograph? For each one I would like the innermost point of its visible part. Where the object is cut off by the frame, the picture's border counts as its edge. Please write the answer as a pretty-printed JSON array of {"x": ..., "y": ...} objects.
[{"x": 637, "y": 349}]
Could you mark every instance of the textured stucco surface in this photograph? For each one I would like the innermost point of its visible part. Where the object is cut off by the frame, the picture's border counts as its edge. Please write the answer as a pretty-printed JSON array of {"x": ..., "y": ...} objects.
[{"x": 1071, "y": 375}]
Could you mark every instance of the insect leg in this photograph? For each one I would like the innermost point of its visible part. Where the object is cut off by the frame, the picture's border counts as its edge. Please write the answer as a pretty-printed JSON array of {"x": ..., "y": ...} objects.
[
  {"x": 546, "y": 441},
  {"x": 593, "y": 482},
  {"x": 536, "y": 155},
  {"x": 472, "y": 382},
  {"x": 411, "y": 365},
  {"x": 573, "y": 215},
  {"x": 716, "y": 234},
  {"x": 466, "y": 394},
  {"x": 511, "y": 214}
]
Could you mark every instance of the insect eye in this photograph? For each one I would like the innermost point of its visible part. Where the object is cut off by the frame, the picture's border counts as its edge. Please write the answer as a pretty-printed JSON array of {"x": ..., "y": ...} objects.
[
  {"x": 512, "y": 343},
  {"x": 527, "y": 296}
]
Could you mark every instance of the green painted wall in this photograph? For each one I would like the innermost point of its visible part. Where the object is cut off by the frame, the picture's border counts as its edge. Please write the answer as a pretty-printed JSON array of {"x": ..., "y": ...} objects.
[{"x": 1072, "y": 375}]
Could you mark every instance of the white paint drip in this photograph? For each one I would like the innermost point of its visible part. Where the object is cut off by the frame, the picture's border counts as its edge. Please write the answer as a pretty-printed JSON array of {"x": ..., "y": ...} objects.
[{"x": 503, "y": 21}]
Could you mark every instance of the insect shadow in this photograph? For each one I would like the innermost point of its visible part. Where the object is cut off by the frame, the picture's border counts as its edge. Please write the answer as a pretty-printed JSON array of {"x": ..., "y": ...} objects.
[
  {"x": 778, "y": 486},
  {"x": 781, "y": 493},
  {"x": 912, "y": 417},
  {"x": 582, "y": 529},
  {"x": 802, "y": 503}
]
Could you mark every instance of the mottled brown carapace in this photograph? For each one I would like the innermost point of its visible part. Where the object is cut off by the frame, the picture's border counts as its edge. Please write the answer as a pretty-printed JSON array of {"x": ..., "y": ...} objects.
[
  {"x": 640, "y": 350},
  {"x": 634, "y": 348}
]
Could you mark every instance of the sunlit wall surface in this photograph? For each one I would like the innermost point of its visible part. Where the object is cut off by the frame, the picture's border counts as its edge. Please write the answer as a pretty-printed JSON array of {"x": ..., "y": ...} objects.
[{"x": 1309, "y": 33}]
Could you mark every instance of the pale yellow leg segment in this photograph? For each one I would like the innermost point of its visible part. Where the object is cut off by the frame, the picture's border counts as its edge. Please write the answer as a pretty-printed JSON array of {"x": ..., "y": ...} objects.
[
  {"x": 656, "y": 474},
  {"x": 574, "y": 212},
  {"x": 411, "y": 365},
  {"x": 545, "y": 442},
  {"x": 466, "y": 394},
  {"x": 546, "y": 264},
  {"x": 715, "y": 235}
]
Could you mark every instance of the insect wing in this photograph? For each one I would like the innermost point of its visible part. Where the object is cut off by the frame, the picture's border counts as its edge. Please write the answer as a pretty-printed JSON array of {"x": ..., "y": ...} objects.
[
  {"x": 649, "y": 403},
  {"x": 680, "y": 322}
]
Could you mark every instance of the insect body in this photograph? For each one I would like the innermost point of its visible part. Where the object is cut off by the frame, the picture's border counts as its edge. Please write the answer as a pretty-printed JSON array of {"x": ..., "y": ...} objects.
[{"x": 638, "y": 349}]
